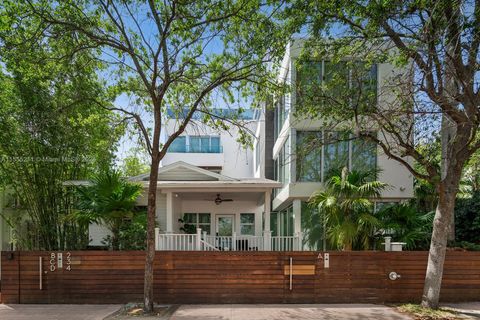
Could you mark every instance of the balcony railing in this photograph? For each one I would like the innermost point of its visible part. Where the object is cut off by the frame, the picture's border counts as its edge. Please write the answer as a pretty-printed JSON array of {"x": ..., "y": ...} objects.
[
  {"x": 203, "y": 242},
  {"x": 190, "y": 149}
]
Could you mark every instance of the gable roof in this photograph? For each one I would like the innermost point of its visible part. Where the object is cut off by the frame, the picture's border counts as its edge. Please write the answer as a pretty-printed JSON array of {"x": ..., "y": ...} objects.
[{"x": 182, "y": 171}]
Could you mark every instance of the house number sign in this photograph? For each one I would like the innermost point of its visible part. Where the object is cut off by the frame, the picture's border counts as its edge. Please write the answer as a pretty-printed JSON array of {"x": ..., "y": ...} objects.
[{"x": 56, "y": 261}]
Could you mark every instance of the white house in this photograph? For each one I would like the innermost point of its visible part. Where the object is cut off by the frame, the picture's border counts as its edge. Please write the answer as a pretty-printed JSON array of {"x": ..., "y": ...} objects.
[
  {"x": 238, "y": 198},
  {"x": 282, "y": 136}
]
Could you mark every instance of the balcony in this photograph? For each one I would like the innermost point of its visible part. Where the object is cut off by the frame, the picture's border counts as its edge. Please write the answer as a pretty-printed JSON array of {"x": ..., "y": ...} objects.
[{"x": 192, "y": 149}]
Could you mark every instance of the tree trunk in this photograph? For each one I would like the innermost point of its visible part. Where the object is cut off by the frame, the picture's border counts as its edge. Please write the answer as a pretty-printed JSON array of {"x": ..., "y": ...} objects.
[
  {"x": 150, "y": 250},
  {"x": 438, "y": 245}
]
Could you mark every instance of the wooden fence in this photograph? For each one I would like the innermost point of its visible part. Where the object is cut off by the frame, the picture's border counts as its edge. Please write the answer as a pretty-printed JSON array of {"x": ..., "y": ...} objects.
[{"x": 232, "y": 277}]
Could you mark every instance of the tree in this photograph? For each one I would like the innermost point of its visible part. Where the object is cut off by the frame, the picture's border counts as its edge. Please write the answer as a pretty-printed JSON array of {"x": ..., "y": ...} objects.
[
  {"x": 133, "y": 165},
  {"x": 50, "y": 131},
  {"x": 437, "y": 44},
  {"x": 346, "y": 209},
  {"x": 176, "y": 55},
  {"x": 109, "y": 200}
]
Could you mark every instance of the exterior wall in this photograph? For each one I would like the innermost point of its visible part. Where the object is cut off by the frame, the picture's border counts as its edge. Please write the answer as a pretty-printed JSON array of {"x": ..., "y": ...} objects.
[
  {"x": 393, "y": 173},
  {"x": 235, "y": 208},
  {"x": 96, "y": 233},
  {"x": 236, "y": 161}
]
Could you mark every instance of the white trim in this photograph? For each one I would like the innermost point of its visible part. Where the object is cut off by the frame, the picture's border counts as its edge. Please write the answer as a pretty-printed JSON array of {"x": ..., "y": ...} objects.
[
  {"x": 185, "y": 165},
  {"x": 245, "y": 185}
]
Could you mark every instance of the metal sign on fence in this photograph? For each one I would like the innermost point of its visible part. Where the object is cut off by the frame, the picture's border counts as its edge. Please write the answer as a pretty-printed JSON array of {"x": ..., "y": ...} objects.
[{"x": 56, "y": 261}]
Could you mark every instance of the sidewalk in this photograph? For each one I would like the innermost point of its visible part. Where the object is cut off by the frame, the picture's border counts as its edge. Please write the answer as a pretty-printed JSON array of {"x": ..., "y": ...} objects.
[
  {"x": 56, "y": 311},
  {"x": 284, "y": 312}
]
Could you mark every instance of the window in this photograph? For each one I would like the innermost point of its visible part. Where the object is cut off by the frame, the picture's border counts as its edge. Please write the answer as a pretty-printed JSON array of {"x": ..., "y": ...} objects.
[
  {"x": 178, "y": 145},
  {"x": 322, "y": 154},
  {"x": 364, "y": 82},
  {"x": 280, "y": 114},
  {"x": 247, "y": 224},
  {"x": 199, "y": 220},
  {"x": 335, "y": 153},
  {"x": 336, "y": 79},
  {"x": 309, "y": 153},
  {"x": 364, "y": 155},
  {"x": 309, "y": 81},
  {"x": 285, "y": 222},
  {"x": 196, "y": 144},
  {"x": 282, "y": 164},
  {"x": 314, "y": 237},
  {"x": 320, "y": 82},
  {"x": 215, "y": 145}
]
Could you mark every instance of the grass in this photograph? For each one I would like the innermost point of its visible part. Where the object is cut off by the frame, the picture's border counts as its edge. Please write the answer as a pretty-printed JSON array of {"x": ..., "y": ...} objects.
[{"x": 420, "y": 313}]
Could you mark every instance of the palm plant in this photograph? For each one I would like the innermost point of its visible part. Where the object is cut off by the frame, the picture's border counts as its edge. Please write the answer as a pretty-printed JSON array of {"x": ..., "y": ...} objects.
[
  {"x": 346, "y": 208},
  {"x": 404, "y": 223},
  {"x": 108, "y": 200}
]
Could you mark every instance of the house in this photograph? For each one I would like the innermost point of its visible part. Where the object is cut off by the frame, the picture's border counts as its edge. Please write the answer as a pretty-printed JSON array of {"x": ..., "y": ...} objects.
[
  {"x": 302, "y": 170},
  {"x": 235, "y": 198}
]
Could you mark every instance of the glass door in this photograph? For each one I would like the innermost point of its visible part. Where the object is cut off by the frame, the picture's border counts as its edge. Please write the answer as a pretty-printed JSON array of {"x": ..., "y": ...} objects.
[{"x": 224, "y": 231}]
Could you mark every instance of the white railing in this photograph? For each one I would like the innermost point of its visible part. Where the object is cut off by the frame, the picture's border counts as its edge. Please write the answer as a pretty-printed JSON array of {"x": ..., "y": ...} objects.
[
  {"x": 204, "y": 242},
  {"x": 235, "y": 242},
  {"x": 284, "y": 243},
  {"x": 177, "y": 242}
]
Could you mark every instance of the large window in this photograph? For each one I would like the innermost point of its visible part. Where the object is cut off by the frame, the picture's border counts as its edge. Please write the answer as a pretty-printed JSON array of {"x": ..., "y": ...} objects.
[
  {"x": 309, "y": 80},
  {"x": 320, "y": 82},
  {"x": 314, "y": 237},
  {"x": 196, "y": 144},
  {"x": 178, "y": 145},
  {"x": 364, "y": 155},
  {"x": 309, "y": 154},
  {"x": 280, "y": 114},
  {"x": 336, "y": 153},
  {"x": 282, "y": 163},
  {"x": 322, "y": 154},
  {"x": 247, "y": 224},
  {"x": 199, "y": 220}
]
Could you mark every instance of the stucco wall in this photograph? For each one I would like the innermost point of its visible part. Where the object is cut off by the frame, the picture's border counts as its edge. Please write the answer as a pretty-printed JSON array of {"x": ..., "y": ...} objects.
[{"x": 236, "y": 161}]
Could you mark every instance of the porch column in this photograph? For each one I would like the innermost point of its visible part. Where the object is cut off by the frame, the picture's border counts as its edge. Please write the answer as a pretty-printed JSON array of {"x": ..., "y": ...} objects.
[
  {"x": 267, "y": 209},
  {"x": 169, "y": 213},
  {"x": 297, "y": 222},
  {"x": 267, "y": 233}
]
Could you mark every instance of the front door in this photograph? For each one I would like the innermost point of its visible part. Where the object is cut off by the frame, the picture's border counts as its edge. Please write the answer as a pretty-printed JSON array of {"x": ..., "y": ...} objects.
[{"x": 224, "y": 229}]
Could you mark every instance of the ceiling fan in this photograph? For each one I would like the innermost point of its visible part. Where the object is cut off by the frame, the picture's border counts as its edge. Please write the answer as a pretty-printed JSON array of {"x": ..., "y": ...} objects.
[{"x": 218, "y": 200}]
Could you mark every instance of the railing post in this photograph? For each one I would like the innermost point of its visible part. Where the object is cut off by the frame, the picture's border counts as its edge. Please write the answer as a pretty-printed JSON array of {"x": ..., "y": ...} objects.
[
  {"x": 157, "y": 240},
  {"x": 295, "y": 241},
  {"x": 198, "y": 239},
  {"x": 267, "y": 240},
  {"x": 300, "y": 241},
  {"x": 234, "y": 241}
]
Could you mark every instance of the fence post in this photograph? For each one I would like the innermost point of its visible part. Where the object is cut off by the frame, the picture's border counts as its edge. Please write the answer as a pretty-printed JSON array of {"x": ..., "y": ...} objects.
[
  {"x": 267, "y": 240},
  {"x": 157, "y": 242},
  {"x": 198, "y": 239}
]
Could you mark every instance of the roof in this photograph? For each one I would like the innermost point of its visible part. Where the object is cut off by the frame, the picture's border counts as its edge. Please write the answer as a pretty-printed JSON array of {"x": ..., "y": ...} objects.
[
  {"x": 182, "y": 171},
  {"x": 182, "y": 175}
]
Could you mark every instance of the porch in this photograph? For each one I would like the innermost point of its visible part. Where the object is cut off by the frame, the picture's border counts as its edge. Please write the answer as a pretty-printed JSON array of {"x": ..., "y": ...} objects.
[{"x": 201, "y": 241}]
